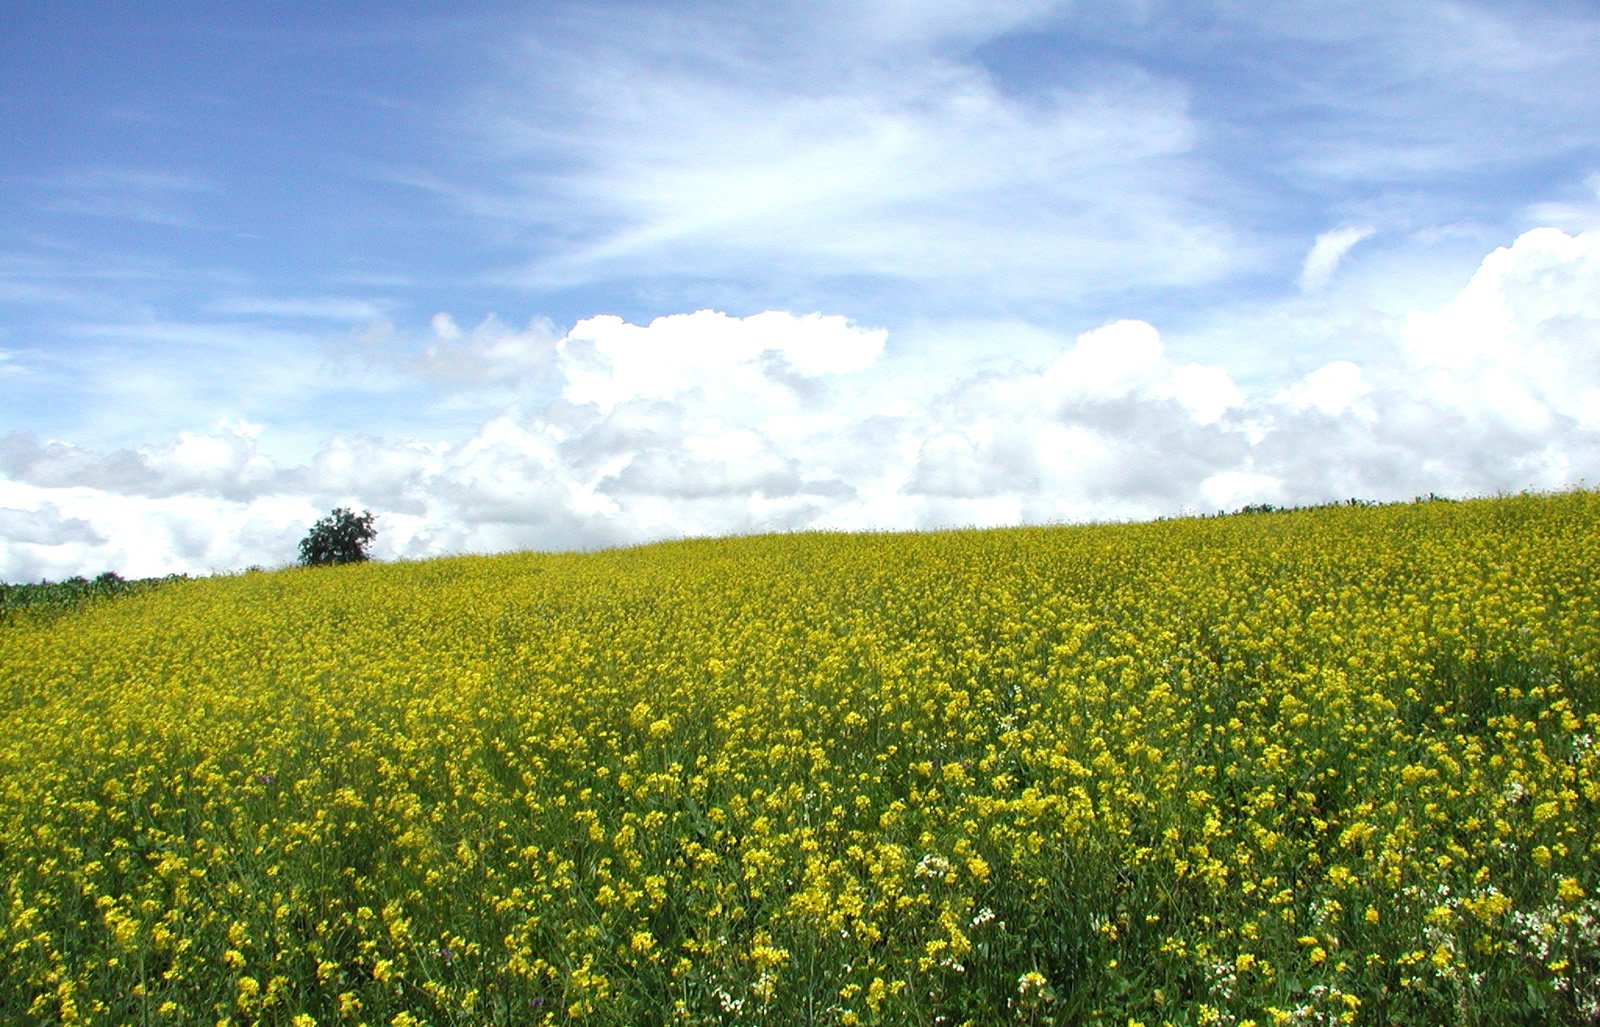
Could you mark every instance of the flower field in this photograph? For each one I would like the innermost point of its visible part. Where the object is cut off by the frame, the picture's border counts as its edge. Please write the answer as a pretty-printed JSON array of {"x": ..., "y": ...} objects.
[{"x": 1327, "y": 766}]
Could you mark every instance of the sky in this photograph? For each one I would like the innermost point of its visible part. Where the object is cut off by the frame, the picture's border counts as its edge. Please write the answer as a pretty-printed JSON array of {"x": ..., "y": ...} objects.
[{"x": 571, "y": 275}]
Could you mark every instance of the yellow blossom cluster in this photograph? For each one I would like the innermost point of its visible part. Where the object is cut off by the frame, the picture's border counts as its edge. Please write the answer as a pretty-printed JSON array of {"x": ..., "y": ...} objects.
[{"x": 1325, "y": 766}]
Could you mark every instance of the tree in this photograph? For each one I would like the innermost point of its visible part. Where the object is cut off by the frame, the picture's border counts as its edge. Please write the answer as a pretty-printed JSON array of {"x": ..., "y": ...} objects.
[{"x": 340, "y": 537}]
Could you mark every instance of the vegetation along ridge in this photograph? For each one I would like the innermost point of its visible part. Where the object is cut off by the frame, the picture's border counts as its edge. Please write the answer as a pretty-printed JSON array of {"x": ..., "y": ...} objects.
[{"x": 1327, "y": 766}]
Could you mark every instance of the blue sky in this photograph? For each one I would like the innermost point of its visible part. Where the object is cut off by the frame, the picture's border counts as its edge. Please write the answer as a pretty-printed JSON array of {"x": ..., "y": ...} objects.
[{"x": 578, "y": 274}]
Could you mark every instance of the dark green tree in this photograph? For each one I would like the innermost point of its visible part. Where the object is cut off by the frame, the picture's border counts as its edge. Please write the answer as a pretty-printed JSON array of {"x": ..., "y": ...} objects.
[{"x": 340, "y": 537}]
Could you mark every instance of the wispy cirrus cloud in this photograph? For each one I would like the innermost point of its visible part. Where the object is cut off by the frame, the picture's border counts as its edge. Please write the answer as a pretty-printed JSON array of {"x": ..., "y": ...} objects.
[
  {"x": 154, "y": 197},
  {"x": 797, "y": 157},
  {"x": 1326, "y": 253},
  {"x": 338, "y": 309},
  {"x": 1435, "y": 95},
  {"x": 904, "y": 162}
]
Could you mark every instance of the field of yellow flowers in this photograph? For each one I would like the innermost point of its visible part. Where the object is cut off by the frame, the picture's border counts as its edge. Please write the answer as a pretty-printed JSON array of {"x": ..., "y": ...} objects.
[{"x": 1318, "y": 767}]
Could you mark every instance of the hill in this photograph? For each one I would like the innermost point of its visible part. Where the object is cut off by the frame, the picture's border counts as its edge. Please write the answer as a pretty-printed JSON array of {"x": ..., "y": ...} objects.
[{"x": 1326, "y": 766}]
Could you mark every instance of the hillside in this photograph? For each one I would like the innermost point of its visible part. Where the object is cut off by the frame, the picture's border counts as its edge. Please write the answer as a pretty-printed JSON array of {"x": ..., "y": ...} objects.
[{"x": 1326, "y": 766}]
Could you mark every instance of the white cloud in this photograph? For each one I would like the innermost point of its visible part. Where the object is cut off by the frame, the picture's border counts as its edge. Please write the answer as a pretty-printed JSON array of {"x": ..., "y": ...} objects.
[
  {"x": 1520, "y": 345},
  {"x": 147, "y": 536},
  {"x": 1329, "y": 249},
  {"x": 924, "y": 21},
  {"x": 953, "y": 464},
  {"x": 315, "y": 308},
  {"x": 1578, "y": 213},
  {"x": 492, "y": 354},
  {"x": 445, "y": 327},
  {"x": 953, "y": 156},
  {"x": 706, "y": 423},
  {"x": 1330, "y": 390},
  {"x": 849, "y": 145},
  {"x": 764, "y": 359},
  {"x": 1423, "y": 93},
  {"x": 1206, "y": 392},
  {"x": 1232, "y": 489},
  {"x": 134, "y": 194},
  {"x": 1109, "y": 361},
  {"x": 45, "y": 526}
]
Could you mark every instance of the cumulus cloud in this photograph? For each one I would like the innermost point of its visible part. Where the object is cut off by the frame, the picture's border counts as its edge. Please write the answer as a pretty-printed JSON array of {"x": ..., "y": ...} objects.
[
  {"x": 1518, "y": 346},
  {"x": 45, "y": 526},
  {"x": 707, "y": 423},
  {"x": 1332, "y": 389},
  {"x": 1326, "y": 253},
  {"x": 755, "y": 360},
  {"x": 222, "y": 462},
  {"x": 492, "y": 354}
]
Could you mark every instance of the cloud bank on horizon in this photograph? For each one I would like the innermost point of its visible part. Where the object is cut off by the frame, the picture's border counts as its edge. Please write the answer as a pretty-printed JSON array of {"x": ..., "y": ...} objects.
[{"x": 827, "y": 266}]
